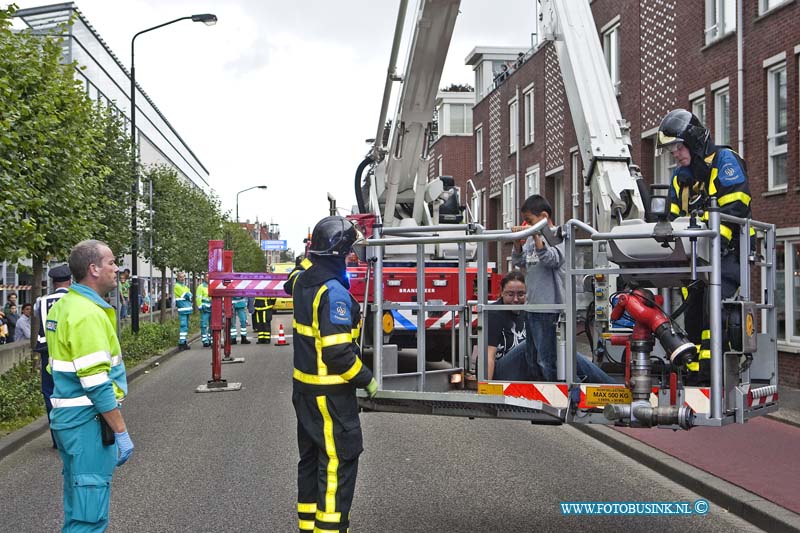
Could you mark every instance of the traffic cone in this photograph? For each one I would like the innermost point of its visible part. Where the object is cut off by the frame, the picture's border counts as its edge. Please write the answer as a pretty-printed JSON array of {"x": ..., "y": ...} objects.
[{"x": 281, "y": 337}]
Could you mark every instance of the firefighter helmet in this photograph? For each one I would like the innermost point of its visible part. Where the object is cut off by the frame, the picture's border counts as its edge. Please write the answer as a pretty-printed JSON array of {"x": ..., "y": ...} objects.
[
  {"x": 681, "y": 126},
  {"x": 335, "y": 236}
]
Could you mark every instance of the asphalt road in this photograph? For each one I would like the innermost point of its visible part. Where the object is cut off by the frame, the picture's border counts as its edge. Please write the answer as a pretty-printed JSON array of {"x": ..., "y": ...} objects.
[{"x": 225, "y": 462}]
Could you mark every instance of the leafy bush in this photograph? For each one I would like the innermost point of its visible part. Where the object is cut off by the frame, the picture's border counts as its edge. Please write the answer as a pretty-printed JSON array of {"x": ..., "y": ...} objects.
[
  {"x": 20, "y": 396},
  {"x": 20, "y": 388}
]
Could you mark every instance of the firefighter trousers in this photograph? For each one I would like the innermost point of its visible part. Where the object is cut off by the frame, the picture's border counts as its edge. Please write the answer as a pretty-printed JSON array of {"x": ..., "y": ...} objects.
[
  {"x": 329, "y": 441},
  {"x": 262, "y": 323}
]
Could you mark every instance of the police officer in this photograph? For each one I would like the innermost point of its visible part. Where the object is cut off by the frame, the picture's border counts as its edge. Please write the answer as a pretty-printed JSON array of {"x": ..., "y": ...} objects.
[
  {"x": 89, "y": 384},
  {"x": 203, "y": 302},
  {"x": 704, "y": 170},
  {"x": 183, "y": 301},
  {"x": 262, "y": 318},
  {"x": 62, "y": 278},
  {"x": 327, "y": 371}
]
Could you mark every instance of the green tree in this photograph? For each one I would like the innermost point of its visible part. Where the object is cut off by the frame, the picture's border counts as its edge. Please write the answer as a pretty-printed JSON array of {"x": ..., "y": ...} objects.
[
  {"x": 247, "y": 254},
  {"x": 47, "y": 144}
]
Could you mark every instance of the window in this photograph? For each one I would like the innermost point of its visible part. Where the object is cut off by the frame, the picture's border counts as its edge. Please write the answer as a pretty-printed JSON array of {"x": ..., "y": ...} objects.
[
  {"x": 532, "y": 181},
  {"x": 663, "y": 166},
  {"x": 767, "y": 5},
  {"x": 460, "y": 118},
  {"x": 777, "y": 126},
  {"x": 509, "y": 203},
  {"x": 576, "y": 185},
  {"x": 722, "y": 116},
  {"x": 558, "y": 201},
  {"x": 439, "y": 166},
  {"x": 720, "y": 18},
  {"x": 611, "y": 53},
  {"x": 528, "y": 103},
  {"x": 476, "y": 207},
  {"x": 587, "y": 203},
  {"x": 699, "y": 109},
  {"x": 479, "y": 150},
  {"x": 787, "y": 290},
  {"x": 513, "y": 127}
]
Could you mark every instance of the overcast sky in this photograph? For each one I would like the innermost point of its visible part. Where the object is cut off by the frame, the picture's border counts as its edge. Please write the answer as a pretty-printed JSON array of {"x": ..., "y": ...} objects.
[{"x": 283, "y": 93}]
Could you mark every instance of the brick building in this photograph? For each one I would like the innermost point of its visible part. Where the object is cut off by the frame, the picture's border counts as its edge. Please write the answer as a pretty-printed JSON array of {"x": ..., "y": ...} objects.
[{"x": 661, "y": 55}]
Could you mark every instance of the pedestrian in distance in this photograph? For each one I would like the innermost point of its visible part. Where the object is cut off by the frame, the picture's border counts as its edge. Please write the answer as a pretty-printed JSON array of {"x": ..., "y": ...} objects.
[
  {"x": 327, "y": 372},
  {"x": 11, "y": 322},
  {"x": 203, "y": 302},
  {"x": 89, "y": 385},
  {"x": 22, "y": 331},
  {"x": 704, "y": 171},
  {"x": 183, "y": 302},
  {"x": 62, "y": 279},
  {"x": 11, "y": 300}
]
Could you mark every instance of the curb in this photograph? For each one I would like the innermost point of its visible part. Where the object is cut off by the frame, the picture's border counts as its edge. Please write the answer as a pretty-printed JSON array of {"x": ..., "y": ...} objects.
[
  {"x": 748, "y": 506},
  {"x": 14, "y": 441}
]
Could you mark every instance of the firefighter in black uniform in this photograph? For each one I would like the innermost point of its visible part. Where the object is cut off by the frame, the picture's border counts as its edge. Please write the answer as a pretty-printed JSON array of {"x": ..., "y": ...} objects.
[
  {"x": 327, "y": 372},
  {"x": 704, "y": 170},
  {"x": 262, "y": 318},
  {"x": 62, "y": 278}
]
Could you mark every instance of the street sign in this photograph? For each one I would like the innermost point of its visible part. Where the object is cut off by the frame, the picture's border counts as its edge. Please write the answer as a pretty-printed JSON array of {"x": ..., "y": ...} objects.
[{"x": 271, "y": 246}]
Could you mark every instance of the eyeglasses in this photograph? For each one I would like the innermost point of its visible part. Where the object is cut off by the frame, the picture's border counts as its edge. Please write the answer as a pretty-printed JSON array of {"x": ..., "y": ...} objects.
[{"x": 510, "y": 294}]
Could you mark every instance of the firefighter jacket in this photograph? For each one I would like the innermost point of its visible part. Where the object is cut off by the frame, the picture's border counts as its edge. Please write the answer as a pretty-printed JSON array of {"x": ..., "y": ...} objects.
[
  {"x": 326, "y": 324},
  {"x": 43, "y": 307},
  {"x": 183, "y": 298},
  {"x": 202, "y": 300},
  {"x": 727, "y": 182},
  {"x": 263, "y": 304},
  {"x": 304, "y": 265},
  {"x": 85, "y": 358}
]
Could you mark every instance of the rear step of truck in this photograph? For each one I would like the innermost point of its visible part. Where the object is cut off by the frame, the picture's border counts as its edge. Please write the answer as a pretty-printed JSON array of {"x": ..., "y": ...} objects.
[{"x": 465, "y": 404}]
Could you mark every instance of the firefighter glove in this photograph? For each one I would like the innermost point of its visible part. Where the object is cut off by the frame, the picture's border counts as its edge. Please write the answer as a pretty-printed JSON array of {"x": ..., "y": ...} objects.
[
  {"x": 372, "y": 388},
  {"x": 124, "y": 447}
]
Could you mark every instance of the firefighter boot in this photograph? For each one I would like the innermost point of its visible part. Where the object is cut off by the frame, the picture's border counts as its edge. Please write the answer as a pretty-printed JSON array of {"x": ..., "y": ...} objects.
[{"x": 245, "y": 340}]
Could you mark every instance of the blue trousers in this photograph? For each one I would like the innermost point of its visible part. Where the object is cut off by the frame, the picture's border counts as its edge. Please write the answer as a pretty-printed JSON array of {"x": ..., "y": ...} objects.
[
  {"x": 242, "y": 314},
  {"x": 88, "y": 467},
  {"x": 184, "y": 327},
  {"x": 517, "y": 366},
  {"x": 205, "y": 320},
  {"x": 540, "y": 328},
  {"x": 47, "y": 386}
]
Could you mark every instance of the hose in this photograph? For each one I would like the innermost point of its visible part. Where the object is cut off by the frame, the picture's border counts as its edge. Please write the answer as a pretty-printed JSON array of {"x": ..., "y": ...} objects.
[{"x": 362, "y": 207}]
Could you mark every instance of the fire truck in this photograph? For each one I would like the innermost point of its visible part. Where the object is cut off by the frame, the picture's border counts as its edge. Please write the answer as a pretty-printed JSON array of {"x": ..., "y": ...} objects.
[{"x": 639, "y": 257}]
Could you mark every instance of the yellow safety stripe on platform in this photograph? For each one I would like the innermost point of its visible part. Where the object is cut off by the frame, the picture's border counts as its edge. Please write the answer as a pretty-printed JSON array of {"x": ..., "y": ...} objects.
[
  {"x": 307, "y": 507},
  {"x": 338, "y": 338},
  {"x": 725, "y": 231},
  {"x": 705, "y": 354},
  {"x": 693, "y": 367},
  {"x": 322, "y": 368},
  {"x": 332, "y": 480},
  {"x": 329, "y": 517},
  {"x": 332, "y": 379},
  {"x": 305, "y": 525},
  {"x": 734, "y": 197},
  {"x": 353, "y": 371}
]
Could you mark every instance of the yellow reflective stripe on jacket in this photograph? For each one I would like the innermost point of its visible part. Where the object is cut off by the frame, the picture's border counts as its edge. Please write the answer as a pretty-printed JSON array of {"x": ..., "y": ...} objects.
[
  {"x": 339, "y": 338},
  {"x": 674, "y": 209},
  {"x": 705, "y": 335},
  {"x": 92, "y": 359},
  {"x": 353, "y": 371},
  {"x": 693, "y": 367},
  {"x": 726, "y": 231},
  {"x": 322, "y": 368},
  {"x": 94, "y": 379},
  {"x": 712, "y": 180},
  {"x": 311, "y": 379},
  {"x": 705, "y": 354},
  {"x": 305, "y": 525},
  {"x": 734, "y": 197}
]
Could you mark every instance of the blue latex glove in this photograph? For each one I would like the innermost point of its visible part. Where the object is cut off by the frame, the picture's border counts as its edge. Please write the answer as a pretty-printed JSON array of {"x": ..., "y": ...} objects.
[
  {"x": 372, "y": 388},
  {"x": 124, "y": 447}
]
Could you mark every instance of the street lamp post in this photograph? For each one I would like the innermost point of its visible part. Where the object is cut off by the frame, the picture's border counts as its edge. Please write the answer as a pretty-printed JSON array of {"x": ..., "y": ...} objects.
[
  {"x": 209, "y": 20},
  {"x": 245, "y": 190}
]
